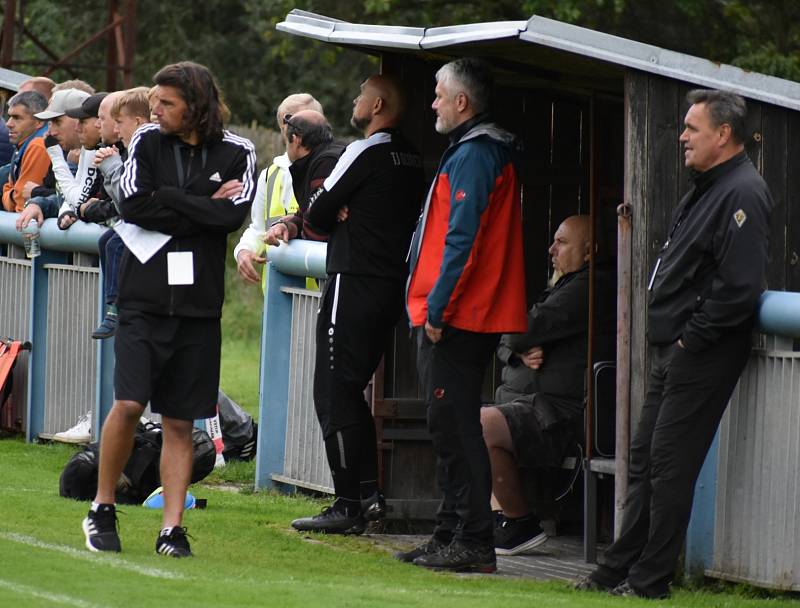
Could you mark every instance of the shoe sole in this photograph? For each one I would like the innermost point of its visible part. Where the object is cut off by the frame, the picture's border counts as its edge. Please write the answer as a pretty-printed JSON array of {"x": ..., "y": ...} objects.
[
  {"x": 534, "y": 542},
  {"x": 89, "y": 545},
  {"x": 474, "y": 568},
  {"x": 76, "y": 440}
]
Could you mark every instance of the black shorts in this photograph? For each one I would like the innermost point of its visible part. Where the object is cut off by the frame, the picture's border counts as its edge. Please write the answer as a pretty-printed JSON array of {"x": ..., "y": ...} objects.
[
  {"x": 540, "y": 438},
  {"x": 172, "y": 362}
]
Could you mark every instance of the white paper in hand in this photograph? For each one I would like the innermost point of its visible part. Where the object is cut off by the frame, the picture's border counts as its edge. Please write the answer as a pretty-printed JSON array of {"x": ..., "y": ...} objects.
[{"x": 144, "y": 244}]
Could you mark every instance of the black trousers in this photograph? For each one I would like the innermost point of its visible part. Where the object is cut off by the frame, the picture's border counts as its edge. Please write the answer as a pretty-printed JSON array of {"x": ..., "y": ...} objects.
[
  {"x": 686, "y": 397},
  {"x": 452, "y": 372},
  {"x": 355, "y": 320}
]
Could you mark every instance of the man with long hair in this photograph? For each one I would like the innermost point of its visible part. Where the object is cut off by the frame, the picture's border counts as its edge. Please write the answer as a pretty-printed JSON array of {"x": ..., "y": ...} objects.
[{"x": 192, "y": 182}]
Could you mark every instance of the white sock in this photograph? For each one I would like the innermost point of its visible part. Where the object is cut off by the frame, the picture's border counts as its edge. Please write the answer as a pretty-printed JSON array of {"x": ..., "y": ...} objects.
[{"x": 166, "y": 531}]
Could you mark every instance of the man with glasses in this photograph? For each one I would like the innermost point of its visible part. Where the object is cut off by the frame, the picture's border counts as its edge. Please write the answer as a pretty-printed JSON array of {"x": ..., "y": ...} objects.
[
  {"x": 274, "y": 195},
  {"x": 313, "y": 153}
]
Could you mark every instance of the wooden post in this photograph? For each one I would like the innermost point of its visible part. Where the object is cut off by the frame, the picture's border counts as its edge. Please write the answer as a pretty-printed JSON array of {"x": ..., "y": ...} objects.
[{"x": 7, "y": 50}]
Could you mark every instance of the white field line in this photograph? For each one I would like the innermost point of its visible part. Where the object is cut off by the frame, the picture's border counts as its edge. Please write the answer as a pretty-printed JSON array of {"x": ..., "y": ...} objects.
[
  {"x": 112, "y": 561},
  {"x": 117, "y": 562},
  {"x": 56, "y": 598}
]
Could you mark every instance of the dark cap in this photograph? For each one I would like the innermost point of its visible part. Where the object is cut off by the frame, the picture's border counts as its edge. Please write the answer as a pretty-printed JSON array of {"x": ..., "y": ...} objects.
[{"x": 89, "y": 107}]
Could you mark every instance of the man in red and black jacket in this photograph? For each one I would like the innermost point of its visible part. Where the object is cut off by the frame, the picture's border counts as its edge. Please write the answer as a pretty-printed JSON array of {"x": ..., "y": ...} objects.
[
  {"x": 187, "y": 183},
  {"x": 466, "y": 288}
]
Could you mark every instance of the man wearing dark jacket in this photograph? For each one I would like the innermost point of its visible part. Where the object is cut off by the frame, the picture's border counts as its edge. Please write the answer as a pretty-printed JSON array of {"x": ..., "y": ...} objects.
[
  {"x": 704, "y": 290},
  {"x": 369, "y": 205},
  {"x": 313, "y": 153},
  {"x": 187, "y": 184},
  {"x": 539, "y": 411}
]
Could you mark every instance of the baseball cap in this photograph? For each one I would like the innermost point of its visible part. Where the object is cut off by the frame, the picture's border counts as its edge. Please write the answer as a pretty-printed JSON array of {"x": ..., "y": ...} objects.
[
  {"x": 89, "y": 107},
  {"x": 61, "y": 101}
]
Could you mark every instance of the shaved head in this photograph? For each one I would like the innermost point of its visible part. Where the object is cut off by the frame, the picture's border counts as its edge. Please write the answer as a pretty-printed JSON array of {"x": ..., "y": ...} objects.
[
  {"x": 379, "y": 105},
  {"x": 571, "y": 246}
]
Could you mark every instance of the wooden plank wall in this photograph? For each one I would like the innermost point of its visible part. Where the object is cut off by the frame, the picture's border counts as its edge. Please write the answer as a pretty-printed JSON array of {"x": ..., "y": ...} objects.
[
  {"x": 554, "y": 130},
  {"x": 656, "y": 179}
]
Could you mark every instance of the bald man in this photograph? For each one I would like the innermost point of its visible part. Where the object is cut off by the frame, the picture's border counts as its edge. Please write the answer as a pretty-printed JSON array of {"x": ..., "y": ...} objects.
[
  {"x": 539, "y": 411},
  {"x": 313, "y": 153},
  {"x": 274, "y": 197},
  {"x": 368, "y": 205},
  {"x": 40, "y": 84}
]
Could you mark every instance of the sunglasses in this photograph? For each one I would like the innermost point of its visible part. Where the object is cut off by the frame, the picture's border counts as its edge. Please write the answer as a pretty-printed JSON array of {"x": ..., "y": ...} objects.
[{"x": 287, "y": 120}]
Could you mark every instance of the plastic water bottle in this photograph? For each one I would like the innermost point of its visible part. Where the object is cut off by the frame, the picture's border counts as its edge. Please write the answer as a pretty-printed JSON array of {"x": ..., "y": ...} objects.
[{"x": 30, "y": 235}]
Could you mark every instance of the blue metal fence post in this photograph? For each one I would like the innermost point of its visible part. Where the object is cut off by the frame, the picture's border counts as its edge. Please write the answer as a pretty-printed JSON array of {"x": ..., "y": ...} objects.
[
  {"x": 104, "y": 369},
  {"x": 273, "y": 390},
  {"x": 700, "y": 535},
  {"x": 37, "y": 363}
]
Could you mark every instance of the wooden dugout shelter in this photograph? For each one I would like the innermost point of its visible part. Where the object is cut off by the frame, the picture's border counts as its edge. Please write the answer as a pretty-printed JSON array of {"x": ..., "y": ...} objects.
[{"x": 599, "y": 117}]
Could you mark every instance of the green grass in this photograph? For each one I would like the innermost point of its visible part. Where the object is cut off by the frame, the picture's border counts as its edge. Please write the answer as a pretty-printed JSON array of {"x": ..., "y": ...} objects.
[{"x": 246, "y": 555}]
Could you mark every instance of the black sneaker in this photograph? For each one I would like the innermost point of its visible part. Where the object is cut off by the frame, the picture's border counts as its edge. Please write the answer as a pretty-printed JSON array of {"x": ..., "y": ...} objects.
[
  {"x": 100, "y": 529},
  {"x": 331, "y": 520},
  {"x": 587, "y": 583},
  {"x": 174, "y": 544},
  {"x": 373, "y": 508},
  {"x": 624, "y": 589},
  {"x": 430, "y": 546},
  {"x": 515, "y": 536},
  {"x": 459, "y": 556}
]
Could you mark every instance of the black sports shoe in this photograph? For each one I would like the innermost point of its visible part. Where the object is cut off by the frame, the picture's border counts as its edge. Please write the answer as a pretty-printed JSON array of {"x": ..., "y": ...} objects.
[
  {"x": 332, "y": 520},
  {"x": 373, "y": 507},
  {"x": 100, "y": 529},
  {"x": 174, "y": 544},
  {"x": 625, "y": 589},
  {"x": 459, "y": 556},
  {"x": 430, "y": 546},
  {"x": 587, "y": 583},
  {"x": 515, "y": 536}
]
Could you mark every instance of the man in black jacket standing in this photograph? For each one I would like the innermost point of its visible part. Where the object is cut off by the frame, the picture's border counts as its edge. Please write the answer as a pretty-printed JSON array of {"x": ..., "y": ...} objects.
[
  {"x": 187, "y": 183},
  {"x": 704, "y": 290},
  {"x": 539, "y": 407},
  {"x": 369, "y": 205}
]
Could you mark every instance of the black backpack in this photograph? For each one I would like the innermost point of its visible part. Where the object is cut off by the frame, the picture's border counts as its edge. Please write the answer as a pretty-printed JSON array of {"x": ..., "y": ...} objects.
[{"x": 141, "y": 473}]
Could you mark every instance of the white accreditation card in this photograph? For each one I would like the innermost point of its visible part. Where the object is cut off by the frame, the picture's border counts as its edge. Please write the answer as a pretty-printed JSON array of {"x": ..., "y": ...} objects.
[{"x": 180, "y": 268}]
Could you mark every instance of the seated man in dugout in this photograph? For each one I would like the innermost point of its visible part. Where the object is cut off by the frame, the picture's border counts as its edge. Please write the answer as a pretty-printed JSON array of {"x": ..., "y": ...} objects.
[{"x": 539, "y": 407}]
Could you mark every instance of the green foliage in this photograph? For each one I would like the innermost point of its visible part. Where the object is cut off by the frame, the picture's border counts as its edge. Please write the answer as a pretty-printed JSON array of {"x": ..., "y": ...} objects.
[{"x": 257, "y": 66}]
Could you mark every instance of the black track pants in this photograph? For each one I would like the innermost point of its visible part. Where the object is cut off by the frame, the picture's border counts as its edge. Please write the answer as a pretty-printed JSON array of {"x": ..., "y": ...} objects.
[{"x": 686, "y": 396}]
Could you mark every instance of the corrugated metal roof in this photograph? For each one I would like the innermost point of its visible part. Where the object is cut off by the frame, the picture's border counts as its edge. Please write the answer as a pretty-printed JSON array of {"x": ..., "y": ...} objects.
[
  {"x": 557, "y": 35},
  {"x": 10, "y": 80}
]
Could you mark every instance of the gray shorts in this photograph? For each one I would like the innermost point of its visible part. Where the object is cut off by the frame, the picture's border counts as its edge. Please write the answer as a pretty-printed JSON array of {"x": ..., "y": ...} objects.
[{"x": 541, "y": 437}]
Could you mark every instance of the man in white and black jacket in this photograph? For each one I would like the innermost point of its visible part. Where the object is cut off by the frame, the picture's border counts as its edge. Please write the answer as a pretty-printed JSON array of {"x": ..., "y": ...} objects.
[
  {"x": 369, "y": 205},
  {"x": 192, "y": 181},
  {"x": 704, "y": 290}
]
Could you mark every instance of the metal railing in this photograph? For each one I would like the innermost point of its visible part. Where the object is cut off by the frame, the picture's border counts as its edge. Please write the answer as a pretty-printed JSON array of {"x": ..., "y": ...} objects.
[
  {"x": 747, "y": 498},
  {"x": 290, "y": 447},
  {"x": 54, "y": 301}
]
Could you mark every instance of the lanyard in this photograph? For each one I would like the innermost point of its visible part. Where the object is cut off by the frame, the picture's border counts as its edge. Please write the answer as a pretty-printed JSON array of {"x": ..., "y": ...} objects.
[{"x": 176, "y": 149}]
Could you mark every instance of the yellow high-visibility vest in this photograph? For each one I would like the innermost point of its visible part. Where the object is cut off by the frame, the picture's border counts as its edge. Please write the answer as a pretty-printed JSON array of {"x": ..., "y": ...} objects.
[{"x": 274, "y": 209}]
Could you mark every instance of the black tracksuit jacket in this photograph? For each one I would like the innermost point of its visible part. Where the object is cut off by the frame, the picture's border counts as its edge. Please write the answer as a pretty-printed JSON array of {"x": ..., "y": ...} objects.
[
  {"x": 711, "y": 270},
  {"x": 155, "y": 200},
  {"x": 381, "y": 181}
]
